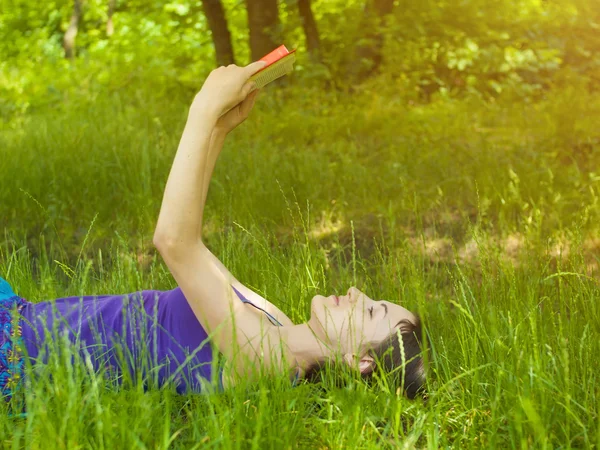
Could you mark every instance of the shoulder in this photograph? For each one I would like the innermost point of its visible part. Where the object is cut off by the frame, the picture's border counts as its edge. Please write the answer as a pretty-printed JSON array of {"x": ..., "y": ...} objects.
[{"x": 262, "y": 303}]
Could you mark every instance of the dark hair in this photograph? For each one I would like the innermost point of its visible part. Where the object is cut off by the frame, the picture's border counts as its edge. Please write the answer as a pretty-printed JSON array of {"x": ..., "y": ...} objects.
[{"x": 400, "y": 362}]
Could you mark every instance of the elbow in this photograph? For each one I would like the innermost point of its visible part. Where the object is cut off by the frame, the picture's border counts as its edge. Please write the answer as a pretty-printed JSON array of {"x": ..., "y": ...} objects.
[
  {"x": 171, "y": 247},
  {"x": 164, "y": 243}
]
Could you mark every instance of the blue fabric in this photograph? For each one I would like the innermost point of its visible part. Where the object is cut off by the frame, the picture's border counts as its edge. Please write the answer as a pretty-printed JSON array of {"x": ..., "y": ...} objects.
[
  {"x": 11, "y": 357},
  {"x": 11, "y": 352},
  {"x": 5, "y": 290},
  {"x": 153, "y": 334}
]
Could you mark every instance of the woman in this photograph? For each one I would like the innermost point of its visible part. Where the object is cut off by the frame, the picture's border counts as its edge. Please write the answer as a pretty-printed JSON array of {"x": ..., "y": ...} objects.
[{"x": 167, "y": 336}]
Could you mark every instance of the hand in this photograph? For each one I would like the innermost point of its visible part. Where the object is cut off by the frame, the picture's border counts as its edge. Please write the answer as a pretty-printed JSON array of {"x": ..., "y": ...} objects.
[
  {"x": 236, "y": 115},
  {"x": 226, "y": 88}
]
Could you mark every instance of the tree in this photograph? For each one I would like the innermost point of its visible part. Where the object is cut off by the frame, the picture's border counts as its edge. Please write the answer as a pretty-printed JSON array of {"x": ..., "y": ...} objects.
[
  {"x": 110, "y": 27},
  {"x": 264, "y": 25},
  {"x": 313, "y": 42},
  {"x": 213, "y": 9},
  {"x": 369, "y": 50},
  {"x": 71, "y": 33}
]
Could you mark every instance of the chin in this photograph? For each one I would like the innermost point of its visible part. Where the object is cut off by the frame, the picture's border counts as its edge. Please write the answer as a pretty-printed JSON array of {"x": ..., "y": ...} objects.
[
  {"x": 316, "y": 305},
  {"x": 316, "y": 301}
]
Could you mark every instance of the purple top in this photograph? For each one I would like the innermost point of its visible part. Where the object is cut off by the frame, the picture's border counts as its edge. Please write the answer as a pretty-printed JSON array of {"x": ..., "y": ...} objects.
[{"x": 152, "y": 331}]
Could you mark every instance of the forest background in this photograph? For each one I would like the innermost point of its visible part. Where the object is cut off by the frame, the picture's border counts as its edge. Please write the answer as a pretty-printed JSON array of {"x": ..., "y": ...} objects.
[{"x": 442, "y": 154}]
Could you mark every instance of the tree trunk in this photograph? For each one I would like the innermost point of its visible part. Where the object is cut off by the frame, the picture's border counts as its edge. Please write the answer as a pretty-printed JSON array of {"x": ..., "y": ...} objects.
[
  {"x": 71, "y": 33},
  {"x": 213, "y": 9},
  {"x": 313, "y": 42},
  {"x": 110, "y": 27},
  {"x": 264, "y": 25},
  {"x": 368, "y": 52}
]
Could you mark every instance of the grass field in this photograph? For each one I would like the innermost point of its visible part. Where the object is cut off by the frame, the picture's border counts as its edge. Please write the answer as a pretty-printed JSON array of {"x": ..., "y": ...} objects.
[{"x": 483, "y": 217}]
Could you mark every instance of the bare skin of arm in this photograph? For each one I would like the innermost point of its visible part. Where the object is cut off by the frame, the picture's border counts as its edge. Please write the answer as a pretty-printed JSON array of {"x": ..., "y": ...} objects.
[
  {"x": 216, "y": 144},
  {"x": 237, "y": 331}
]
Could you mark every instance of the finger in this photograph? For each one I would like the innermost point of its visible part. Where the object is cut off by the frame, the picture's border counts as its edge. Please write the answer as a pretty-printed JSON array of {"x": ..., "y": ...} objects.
[
  {"x": 254, "y": 67},
  {"x": 248, "y": 87},
  {"x": 248, "y": 103},
  {"x": 253, "y": 96}
]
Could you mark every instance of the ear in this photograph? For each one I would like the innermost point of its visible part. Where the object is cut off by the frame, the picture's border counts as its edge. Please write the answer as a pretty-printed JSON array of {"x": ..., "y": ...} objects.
[{"x": 365, "y": 365}]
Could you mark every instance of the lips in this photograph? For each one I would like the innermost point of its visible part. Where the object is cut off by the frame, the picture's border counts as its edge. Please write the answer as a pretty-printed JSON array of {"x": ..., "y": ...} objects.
[{"x": 337, "y": 300}]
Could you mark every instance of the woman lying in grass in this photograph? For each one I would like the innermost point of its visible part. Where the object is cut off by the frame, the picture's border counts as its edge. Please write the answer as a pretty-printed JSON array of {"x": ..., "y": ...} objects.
[{"x": 167, "y": 336}]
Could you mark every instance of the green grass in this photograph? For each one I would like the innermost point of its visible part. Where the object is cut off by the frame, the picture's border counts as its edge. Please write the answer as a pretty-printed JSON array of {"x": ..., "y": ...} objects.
[{"x": 481, "y": 217}]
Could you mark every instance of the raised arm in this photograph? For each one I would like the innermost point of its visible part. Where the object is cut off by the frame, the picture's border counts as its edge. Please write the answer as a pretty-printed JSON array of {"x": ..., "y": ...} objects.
[
  {"x": 178, "y": 235},
  {"x": 224, "y": 126}
]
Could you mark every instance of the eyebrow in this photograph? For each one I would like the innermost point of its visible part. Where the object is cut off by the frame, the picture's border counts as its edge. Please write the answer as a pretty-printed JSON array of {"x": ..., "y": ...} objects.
[{"x": 386, "y": 309}]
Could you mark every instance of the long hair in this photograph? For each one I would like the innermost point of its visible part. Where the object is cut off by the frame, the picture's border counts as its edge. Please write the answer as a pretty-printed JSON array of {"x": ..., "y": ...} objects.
[{"x": 398, "y": 357}]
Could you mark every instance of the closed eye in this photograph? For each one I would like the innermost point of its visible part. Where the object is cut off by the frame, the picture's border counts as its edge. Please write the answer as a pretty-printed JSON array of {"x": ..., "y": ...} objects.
[{"x": 371, "y": 312}]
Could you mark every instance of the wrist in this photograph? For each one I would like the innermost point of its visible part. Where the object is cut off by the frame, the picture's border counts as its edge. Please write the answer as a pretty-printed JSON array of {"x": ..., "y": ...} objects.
[
  {"x": 219, "y": 133},
  {"x": 201, "y": 110}
]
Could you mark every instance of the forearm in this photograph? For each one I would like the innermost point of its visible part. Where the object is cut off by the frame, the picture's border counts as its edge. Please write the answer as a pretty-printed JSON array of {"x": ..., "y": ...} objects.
[
  {"x": 216, "y": 144},
  {"x": 182, "y": 209},
  {"x": 223, "y": 103}
]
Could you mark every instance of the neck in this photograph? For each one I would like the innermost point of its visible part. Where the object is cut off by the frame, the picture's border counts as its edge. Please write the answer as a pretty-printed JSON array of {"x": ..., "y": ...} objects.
[{"x": 306, "y": 346}]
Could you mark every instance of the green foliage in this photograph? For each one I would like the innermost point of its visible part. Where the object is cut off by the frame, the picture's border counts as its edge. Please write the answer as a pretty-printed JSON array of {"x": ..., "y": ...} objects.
[
  {"x": 462, "y": 181},
  {"x": 512, "y": 357},
  {"x": 375, "y": 158},
  {"x": 491, "y": 46},
  {"x": 475, "y": 46}
]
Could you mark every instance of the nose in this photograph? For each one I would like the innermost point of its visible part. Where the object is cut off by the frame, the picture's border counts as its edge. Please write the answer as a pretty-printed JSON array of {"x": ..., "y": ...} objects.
[{"x": 353, "y": 294}]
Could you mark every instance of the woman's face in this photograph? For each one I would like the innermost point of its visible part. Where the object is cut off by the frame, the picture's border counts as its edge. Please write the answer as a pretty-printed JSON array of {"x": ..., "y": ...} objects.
[{"x": 353, "y": 323}]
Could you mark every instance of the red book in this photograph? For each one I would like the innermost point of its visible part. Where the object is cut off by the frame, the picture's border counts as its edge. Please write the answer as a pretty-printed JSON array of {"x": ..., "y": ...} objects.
[{"x": 280, "y": 62}]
